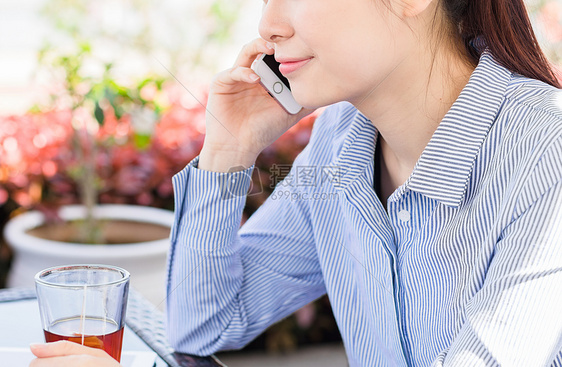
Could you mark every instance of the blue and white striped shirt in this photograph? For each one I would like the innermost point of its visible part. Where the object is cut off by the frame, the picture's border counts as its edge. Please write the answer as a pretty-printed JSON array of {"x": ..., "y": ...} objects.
[{"x": 463, "y": 268}]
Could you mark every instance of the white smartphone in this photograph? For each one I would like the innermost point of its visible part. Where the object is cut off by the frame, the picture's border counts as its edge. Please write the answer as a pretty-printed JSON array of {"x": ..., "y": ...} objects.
[{"x": 275, "y": 83}]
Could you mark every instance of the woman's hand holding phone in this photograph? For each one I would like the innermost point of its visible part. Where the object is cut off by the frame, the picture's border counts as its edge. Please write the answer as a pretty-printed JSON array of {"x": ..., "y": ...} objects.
[{"x": 242, "y": 118}]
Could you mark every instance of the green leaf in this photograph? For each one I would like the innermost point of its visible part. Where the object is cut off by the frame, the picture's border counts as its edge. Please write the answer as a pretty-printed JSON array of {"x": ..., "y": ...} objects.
[
  {"x": 142, "y": 141},
  {"x": 98, "y": 113},
  {"x": 35, "y": 109}
]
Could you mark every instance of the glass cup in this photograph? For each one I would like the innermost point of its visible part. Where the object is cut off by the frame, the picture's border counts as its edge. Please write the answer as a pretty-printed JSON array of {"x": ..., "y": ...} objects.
[{"x": 84, "y": 304}]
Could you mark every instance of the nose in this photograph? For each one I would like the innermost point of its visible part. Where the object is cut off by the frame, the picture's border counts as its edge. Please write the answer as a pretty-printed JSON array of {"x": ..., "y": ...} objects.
[{"x": 274, "y": 24}]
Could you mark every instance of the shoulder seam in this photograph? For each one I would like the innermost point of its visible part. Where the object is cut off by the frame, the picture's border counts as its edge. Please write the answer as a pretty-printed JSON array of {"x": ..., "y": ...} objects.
[{"x": 536, "y": 108}]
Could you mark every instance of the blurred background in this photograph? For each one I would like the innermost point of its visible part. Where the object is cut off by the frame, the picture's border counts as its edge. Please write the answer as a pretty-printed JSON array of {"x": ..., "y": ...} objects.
[{"x": 102, "y": 102}]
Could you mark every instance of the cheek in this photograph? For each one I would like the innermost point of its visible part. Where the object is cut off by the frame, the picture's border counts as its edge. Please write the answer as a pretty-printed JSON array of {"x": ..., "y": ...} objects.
[
  {"x": 350, "y": 70},
  {"x": 351, "y": 47},
  {"x": 325, "y": 25},
  {"x": 318, "y": 15}
]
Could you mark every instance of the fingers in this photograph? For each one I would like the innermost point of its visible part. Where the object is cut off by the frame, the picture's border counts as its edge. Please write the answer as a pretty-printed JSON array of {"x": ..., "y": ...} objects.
[
  {"x": 73, "y": 361},
  {"x": 241, "y": 71},
  {"x": 65, "y": 353},
  {"x": 64, "y": 348},
  {"x": 253, "y": 49},
  {"x": 237, "y": 74}
]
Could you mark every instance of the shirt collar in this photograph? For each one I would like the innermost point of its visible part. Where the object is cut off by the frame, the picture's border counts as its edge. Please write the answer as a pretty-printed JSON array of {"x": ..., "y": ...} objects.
[{"x": 446, "y": 164}]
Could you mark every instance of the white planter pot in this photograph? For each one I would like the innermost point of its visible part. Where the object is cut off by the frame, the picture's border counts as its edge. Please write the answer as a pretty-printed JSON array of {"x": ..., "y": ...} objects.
[{"x": 146, "y": 261}]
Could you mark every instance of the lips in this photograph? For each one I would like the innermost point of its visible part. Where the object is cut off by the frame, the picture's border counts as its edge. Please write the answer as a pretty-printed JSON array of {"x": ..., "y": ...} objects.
[{"x": 288, "y": 66}]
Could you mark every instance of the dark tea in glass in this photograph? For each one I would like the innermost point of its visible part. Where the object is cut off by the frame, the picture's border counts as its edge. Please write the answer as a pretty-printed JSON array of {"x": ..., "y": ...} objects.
[{"x": 90, "y": 331}]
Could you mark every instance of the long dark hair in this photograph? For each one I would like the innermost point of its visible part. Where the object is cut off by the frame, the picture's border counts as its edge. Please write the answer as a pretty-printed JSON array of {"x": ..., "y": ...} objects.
[{"x": 508, "y": 33}]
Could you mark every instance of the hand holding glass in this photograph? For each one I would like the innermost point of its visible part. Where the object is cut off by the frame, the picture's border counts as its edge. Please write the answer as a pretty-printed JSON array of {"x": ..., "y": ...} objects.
[{"x": 84, "y": 304}]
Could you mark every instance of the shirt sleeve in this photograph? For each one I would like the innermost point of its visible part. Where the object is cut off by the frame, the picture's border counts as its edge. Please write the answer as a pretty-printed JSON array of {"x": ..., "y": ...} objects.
[
  {"x": 516, "y": 317},
  {"x": 226, "y": 286}
]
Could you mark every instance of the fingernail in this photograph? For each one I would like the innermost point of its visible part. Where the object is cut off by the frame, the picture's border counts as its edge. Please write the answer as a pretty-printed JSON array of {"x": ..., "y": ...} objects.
[
  {"x": 36, "y": 346},
  {"x": 270, "y": 45},
  {"x": 254, "y": 77}
]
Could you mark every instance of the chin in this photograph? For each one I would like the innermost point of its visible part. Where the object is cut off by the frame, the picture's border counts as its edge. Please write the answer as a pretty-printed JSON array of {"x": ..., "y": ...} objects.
[{"x": 311, "y": 99}]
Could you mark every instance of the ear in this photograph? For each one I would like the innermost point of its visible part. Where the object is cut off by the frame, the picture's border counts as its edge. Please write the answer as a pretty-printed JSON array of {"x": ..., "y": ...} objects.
[{"x": 413, "y": 8}]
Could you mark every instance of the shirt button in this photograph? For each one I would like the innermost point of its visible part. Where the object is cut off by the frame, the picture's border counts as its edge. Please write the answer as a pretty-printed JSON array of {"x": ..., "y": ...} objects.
[{"x": 404, "y": 215}]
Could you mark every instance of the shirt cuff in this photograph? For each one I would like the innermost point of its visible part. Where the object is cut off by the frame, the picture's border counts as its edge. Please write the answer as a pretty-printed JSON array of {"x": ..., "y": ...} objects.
[{"x": 209, "y": 201}]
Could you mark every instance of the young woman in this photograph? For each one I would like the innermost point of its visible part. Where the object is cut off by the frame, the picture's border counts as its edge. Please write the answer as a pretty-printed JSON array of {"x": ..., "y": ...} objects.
[{"x": 433, "y": 219}]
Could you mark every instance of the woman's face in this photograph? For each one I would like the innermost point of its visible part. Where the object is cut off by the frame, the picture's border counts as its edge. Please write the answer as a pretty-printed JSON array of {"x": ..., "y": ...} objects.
[{"x": 335, "y": 50}]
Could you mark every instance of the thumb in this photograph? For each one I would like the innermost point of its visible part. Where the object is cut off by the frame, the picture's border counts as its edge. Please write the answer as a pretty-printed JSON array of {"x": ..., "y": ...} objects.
[{"x": 63, "y": 348}]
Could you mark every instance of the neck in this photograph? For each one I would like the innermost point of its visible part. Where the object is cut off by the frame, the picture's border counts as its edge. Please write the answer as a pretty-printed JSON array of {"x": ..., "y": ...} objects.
[{"x": 407, "y": 107}]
